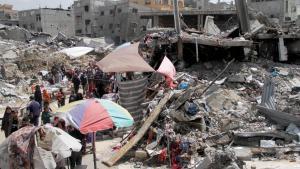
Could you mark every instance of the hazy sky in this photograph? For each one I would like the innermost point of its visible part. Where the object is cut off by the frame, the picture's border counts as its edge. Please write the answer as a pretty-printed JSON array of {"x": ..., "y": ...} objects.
[{"x": 31, "y": 4}]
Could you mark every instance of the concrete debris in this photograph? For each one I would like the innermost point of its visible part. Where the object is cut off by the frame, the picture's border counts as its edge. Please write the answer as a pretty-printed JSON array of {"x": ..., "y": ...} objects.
[
  {"x": 196, "y": 126},
  {"x": 15, "y": 33},
  {"x": 267, "y": 143},
  {"x": 226, "y": 104},
  {"x": 210, "y": 27}
]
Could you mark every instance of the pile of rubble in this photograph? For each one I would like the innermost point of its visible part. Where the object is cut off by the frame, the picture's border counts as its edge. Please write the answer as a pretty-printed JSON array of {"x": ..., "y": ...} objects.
[
  {"x": 24, "y": 55},
  {"x": 196, "y": 126}
]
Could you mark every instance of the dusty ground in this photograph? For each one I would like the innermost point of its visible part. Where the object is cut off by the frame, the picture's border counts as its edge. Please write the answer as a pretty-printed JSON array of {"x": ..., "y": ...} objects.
[{"x": 272, "y": 165}]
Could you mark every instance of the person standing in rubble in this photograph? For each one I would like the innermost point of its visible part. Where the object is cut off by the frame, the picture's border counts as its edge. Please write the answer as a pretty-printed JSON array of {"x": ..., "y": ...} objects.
[
  {"x": 84, "y": 81},
  {"x": 99, "y": 82},
  {"x": 76, "y": 157},
  {"x": 61, "y": 98},
  {"x": 76, "y": 83},
  {"x": 34, "y": 109},
  {"x": 38, "y": 95},
  {"x": 46, "y": 98},
  {"x": 63, "y": 70},
  {"x": 90, "y": 76},
  {"x": 7, "y": 121},
  {"x": 46, "y": 115}
]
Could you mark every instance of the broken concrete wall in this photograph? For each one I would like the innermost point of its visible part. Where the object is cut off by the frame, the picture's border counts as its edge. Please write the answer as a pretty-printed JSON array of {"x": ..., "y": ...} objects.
[
  {"x": 15, "y": 33},
  {"x": 210, "y": 27}
]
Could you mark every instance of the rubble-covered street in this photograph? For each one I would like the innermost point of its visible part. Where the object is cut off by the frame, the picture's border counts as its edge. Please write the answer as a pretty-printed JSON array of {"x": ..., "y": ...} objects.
[{"x": 224, "y": 95}]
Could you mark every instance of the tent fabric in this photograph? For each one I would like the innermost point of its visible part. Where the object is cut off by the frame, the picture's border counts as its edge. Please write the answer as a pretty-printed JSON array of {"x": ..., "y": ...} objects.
[
  {"x": 132, "y": 94},
  {"x": 167, "y": 68},
  {"x": 76, "y": 52},
  {"x": 61, "y": 142},
  {"x": 124, "y": 59}
]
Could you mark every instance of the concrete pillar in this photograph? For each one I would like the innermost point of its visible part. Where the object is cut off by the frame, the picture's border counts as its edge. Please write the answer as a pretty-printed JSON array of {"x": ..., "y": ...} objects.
[
  {"x": 282, "y": 50},
  {"x": 176, "y": 16},
  {"x": 200, "y": 21},
  {"x": 155, "y": 21},
  {"x": 178, "y": 29},
  {"x": 242, "y": 11}
]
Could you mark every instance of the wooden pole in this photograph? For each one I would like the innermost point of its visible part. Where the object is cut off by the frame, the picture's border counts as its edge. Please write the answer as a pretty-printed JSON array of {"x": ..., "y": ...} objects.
[{"x": 94, "y": 150}]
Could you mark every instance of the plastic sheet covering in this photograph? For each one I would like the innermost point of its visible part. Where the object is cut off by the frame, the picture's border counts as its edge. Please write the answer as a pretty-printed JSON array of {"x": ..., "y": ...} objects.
[
  {"x": 62, "y": 143},
  {"x": 76, "y": 52},
  {"x": 43, "y": 159},
  {"x": 4, "y": 158},
  {"x": 132, "y": 95}
]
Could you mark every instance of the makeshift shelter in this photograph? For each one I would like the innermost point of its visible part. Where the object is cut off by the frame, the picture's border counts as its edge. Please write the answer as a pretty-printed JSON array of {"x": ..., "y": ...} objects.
[
  {"x": 125, "y": 59},
  {"x": 22, "y": 149}
]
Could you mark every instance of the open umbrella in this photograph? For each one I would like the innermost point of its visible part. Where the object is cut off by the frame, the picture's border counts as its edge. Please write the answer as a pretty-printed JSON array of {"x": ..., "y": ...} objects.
[{"x": 93, "y": 115}]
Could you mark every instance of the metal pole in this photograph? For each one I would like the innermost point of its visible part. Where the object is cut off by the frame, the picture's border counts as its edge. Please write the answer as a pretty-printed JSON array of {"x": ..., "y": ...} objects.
[
  {"x": 197, "y": 50},
  {"x": 94, "y": 150}
]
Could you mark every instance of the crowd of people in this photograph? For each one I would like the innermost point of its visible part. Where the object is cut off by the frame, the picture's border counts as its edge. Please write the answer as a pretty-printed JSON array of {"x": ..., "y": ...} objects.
[
  {"x": 10, "y": 124},
  {"x": 93, "y": 83}
]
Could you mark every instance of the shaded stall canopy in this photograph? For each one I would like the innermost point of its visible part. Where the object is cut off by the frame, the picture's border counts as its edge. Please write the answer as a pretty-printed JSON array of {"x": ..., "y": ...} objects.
[{"x": 126, "y": 59}]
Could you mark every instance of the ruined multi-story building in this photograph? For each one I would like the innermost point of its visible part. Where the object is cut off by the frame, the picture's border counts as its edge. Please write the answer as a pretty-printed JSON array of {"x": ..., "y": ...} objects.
[
  {"x": 159, "y": 4},
  {"x": 284, "y": 10},
  {"x": 118, "y": 20},
  {"x": 48, "y": 20},
  {"x": 8, "y": 16}
]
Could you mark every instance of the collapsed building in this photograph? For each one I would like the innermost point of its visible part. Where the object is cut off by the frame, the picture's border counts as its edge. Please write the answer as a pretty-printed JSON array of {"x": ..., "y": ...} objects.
[{"x": 218, "y": 116}]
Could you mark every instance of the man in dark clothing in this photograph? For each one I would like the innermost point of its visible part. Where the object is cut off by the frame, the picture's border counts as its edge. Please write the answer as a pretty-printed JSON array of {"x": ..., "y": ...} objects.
[
  {"x": 34, "y": 109},
  {"x": 90, "y": 76},
  {"x": 79, "y": 96},
  {"x": 72, "y": 97},
  {"x": 76, "y": 157},
  {"x": 99, "y": 82},
  {"x": 38, "y": 95},
  {"x": 76, "y": 83},
  {"x": 84, "y": 81}
]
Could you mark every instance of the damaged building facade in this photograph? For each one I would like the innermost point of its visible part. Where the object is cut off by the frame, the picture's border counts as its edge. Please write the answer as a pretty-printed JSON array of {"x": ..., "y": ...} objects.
[
  {"x": 48, "y": 20},
  {"x": 116, "y": 19},
  {"x": 8, "y": 16},
  {"x": 284, "y": 10}
]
